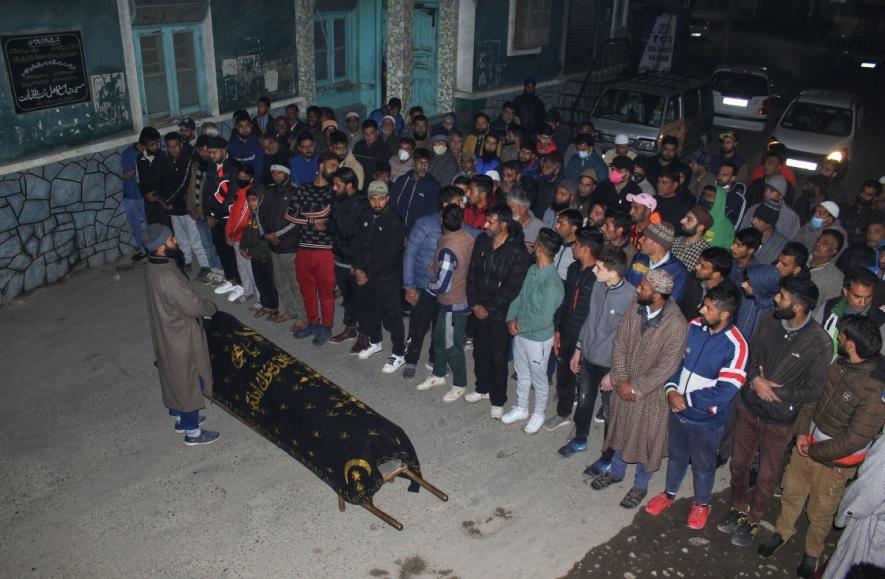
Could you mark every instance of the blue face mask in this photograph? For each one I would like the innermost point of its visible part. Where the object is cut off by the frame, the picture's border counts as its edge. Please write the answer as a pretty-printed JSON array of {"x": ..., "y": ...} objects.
[
  {"x": 584, "y": 154},
  {"x": 817, "y": 222}
]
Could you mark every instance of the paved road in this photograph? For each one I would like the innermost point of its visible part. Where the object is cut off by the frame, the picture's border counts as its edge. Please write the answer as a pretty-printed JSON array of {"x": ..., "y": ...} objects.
[{"x": 94, "y": 482}]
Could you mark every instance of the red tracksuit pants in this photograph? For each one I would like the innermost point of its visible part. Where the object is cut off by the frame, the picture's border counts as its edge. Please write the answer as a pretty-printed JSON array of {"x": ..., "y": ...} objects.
[{"x": 315, "y": 271}]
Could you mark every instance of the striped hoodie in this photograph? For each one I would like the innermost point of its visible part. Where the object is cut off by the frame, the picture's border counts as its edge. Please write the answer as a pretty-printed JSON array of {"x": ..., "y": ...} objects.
[{"x": 712, "y": 372}]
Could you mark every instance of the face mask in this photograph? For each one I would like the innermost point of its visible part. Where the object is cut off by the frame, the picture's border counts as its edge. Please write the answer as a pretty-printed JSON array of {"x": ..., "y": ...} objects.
[
  {"x": 403, "y": 155},
  {"x": 440, "y": 149},
  {"x": 615, "y": 177},
  {"x": 817, "y": 222},
  {"x": 584, "y": 154},
  {"x": 243, "y": 183},
  {"x": 637, "y": 177}
]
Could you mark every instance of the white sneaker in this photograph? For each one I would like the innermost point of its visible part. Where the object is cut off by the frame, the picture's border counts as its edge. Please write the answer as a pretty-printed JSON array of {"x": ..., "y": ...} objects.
[
  {"x": 393, "y": 364},
  {"x": 535, "y": 424},
  {"x": 224, "y": 288},
  {"x": 515, "y": 415},
  {"x": 454, "y": 393},
  {"x": 476, "y": 397},
  {"x": 369, "y": 350},
  {"x": 496, "y": 413},
  {"x": 431, "y": 382},
  {"x": 236, "y": 293}
]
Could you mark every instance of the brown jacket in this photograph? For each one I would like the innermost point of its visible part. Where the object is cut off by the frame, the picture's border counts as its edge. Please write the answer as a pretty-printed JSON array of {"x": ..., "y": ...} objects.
[
  {"x": 850, "y": 411},
  {"x": 174, "y": 312},
  {"x": 645, "y": 358}
]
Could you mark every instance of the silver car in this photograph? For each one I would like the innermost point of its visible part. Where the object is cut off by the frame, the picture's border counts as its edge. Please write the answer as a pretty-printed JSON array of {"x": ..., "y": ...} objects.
[
  {"x": 741, "y": 98},
  {"x": 819, "y": 125}
]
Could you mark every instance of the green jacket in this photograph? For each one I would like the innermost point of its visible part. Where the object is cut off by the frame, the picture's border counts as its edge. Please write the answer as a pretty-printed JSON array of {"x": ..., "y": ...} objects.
[
  {"x": 536, "y": 304},
  {"x": 253, "y": 239}
]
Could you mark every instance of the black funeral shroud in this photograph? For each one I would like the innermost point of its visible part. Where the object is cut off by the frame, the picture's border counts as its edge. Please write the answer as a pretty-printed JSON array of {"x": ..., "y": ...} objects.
[{"x": 327, "y": 429}]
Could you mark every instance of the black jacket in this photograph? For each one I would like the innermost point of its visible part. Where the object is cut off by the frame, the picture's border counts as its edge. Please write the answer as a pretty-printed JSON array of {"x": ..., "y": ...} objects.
[
  {"x": 346, "y": 212},
  {"x": 378, "y": 244},
  {"x": 281, "y": 157},
  {"x": 693, "y": 296},
  {"x": 220, "y": 188},
  {"x": 370, "y": 155},
  {"x": 798, "y": 360},
  {"x": 150, "y": 172},
  {"x": 272, "y": 217},
  {"x": 495, "y": 276},
  {"x": 575, "y": 305},
  {"x": 546, "y": 193},
  {"x": 176, "y": 177},
  {"x": 614, "y": 200}
]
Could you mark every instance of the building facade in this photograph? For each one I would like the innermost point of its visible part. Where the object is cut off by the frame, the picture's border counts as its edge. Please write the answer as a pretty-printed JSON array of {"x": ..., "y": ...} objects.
[{"x": 132, "y": 63}]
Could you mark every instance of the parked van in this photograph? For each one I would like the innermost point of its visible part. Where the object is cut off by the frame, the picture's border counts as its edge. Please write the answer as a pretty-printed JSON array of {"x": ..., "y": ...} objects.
[
  {"x": 819, "y": 125},
  {"x": 650, "y": 106},
  {"x": 741, "y": 97}
]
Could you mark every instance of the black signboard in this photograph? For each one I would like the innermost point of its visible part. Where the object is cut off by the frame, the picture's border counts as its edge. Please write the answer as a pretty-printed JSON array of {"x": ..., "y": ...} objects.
[{"x": 46, "y": 70}]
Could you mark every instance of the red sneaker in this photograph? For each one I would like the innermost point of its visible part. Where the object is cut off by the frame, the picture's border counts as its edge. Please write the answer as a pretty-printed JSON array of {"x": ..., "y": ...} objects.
[
  {"x": 658, "y": 504},
  {"x": 697, "y": 518}
]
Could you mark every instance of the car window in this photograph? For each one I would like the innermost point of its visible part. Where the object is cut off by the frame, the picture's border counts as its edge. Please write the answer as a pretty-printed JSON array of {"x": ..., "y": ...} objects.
[
  {"x": 672, "y": 110},
  {"x": 816, "y": 118},
  {"x": 740, "y": 84},
  {"x": 630, "y": 106},
  {"x": 691, "y": 103}
]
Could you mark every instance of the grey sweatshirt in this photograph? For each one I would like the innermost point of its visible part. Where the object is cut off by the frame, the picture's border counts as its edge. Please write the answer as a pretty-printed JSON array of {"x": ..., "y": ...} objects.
[{"x": 607, "y": 305}]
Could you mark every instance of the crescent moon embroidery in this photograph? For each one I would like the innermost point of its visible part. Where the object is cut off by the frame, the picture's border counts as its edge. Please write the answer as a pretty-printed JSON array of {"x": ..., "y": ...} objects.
[{"x": 351, "y": 472}]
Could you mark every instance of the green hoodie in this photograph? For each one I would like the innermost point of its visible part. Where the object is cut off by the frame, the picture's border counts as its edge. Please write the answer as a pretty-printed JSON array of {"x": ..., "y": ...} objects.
[
  {"x": 537, "y": 302},
  {"x": 253, "y": 239}
]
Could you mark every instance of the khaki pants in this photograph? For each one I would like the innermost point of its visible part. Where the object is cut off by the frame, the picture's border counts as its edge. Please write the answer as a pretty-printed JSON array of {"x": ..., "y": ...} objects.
[
  {"x": 822, "y": 486},
  {"x": 286, "y": 283}
]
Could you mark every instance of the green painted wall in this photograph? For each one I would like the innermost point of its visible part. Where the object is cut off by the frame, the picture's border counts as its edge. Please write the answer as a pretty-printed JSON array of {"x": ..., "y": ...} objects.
[
  {"x": 51, "y": 130},
  {"x": 254, "y": 51},
  {"x": 492, "y": 67}
]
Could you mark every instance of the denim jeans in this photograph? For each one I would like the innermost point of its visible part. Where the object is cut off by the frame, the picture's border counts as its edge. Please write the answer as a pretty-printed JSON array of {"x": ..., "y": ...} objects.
[
  {"x": 619, "y": 471},
  {"x": 697, "y": 445},
  {"x": 137, "y": 222},
  {"x": 208, "y": 246},
  {"x": 189, "y": 420},
  {"x": 590, "y": 377}
]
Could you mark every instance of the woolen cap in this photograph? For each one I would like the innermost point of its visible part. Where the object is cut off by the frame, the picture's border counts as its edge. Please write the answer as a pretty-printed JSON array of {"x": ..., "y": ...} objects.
[
  {"x": 439, "y": 133},
  {"x": 352, "y": 114},
  {"x": 661, "y": 233},
  {"x": 768, "y": 212},
  {"x": 377, "y": 189},
  {"x": 589, "y": 173},
  {"x": 569, "y": 186},
  {"x": 778, "y": 183},
  {"x": 155, "y": 236},
  {"x": 660, "y": 280},
  {"x": 703, "y": 216},
  {"x": 831, "y": 208},
  {"x": 493, "y": 175},
  {"x": 216, "y": 142},
  {"x": 280, "y": 168}
]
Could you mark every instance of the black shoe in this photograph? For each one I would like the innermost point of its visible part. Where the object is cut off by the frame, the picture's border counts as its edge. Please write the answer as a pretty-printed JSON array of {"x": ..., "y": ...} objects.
[
  {"x": 731, "y": 521},
  {"x": 771, "y": 546},
  {"x": 744, "y": 534},
  {"x": 138, "y": 256},
  {"x": 807, "y": 567}
]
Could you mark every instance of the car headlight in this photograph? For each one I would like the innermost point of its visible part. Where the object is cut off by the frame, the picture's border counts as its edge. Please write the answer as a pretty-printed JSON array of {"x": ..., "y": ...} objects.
[
  {"x": 644, "y": 145},
  {"x": 836, "y": 156}
]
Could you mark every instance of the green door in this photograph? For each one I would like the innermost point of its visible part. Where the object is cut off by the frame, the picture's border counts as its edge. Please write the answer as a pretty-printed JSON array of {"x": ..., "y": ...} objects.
[{"x": 424, "y": 57}]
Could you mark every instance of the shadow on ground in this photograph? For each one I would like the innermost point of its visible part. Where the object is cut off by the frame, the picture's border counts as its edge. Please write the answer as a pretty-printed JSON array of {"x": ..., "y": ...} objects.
[{"x": 663, "y": 546}]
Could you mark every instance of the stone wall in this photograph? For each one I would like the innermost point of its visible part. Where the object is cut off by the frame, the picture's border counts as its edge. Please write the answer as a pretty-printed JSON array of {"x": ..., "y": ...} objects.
[{"x": 61, "y": 217}]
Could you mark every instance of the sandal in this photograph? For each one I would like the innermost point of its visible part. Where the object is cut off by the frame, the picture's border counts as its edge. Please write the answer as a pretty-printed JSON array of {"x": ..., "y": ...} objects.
[
  {"x": 604, "y": 481},
  {"x": 298, "y": 326},
  {"x": 633, "y": 498},
  {"x": 281, "y": 317}
]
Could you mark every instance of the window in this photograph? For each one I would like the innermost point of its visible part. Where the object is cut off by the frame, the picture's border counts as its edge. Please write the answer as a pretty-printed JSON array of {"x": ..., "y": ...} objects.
[
  {"x": 529, "y": 30},
  {"x": 672, "y": 110},
  {"x": 170, "y": 62},
  {"x": 330, "y": 48}
]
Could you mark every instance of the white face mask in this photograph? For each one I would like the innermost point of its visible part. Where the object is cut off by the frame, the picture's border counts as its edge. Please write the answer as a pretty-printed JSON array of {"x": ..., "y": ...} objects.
[
  {"x": 403, "y": 155},
  {"x": 440, "y": 149}
]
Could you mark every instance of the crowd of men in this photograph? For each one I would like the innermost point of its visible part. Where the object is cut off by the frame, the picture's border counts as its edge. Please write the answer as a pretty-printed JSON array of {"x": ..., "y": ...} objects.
[{"x": 720, "y": 315}]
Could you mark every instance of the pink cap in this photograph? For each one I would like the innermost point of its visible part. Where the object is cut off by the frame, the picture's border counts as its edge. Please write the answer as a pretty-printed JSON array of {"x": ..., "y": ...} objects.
[{"x": 643, "y": 199}]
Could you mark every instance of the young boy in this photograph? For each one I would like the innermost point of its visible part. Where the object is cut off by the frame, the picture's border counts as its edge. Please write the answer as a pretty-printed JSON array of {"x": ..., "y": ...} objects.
[
  {"x": 254, "y": 247},
  {"x": 530, "y": 321},
  {"x": 233, "y": 231}
]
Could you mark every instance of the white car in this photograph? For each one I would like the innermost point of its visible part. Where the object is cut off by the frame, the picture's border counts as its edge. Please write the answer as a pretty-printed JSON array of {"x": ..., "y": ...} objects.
[
  {"x": 741, "y": 98},
  {"x": 819, "y": 125}
]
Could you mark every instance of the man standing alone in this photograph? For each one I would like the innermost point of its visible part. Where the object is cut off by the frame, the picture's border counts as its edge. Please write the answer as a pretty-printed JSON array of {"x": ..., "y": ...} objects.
[{"x": 174, "y": 313}]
